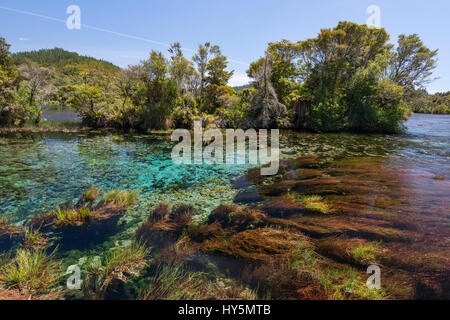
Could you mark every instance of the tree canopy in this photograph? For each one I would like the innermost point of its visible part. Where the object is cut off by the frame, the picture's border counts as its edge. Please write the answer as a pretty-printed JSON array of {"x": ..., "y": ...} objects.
[{"x": 349, "y": 77}]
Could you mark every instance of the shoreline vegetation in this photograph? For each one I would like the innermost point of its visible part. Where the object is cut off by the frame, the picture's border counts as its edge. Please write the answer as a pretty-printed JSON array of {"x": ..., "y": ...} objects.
[
  {"x": 78, "y": 127},
  {"x": 348, "y": 78}
]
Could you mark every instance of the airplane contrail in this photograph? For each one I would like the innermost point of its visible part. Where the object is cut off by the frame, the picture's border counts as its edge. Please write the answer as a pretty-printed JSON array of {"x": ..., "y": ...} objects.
[{"x": 120, "y": 34}]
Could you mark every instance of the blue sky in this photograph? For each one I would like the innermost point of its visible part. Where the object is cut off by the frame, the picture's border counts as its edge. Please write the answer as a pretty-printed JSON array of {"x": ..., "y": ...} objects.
[{"x": 242, "y": 28}]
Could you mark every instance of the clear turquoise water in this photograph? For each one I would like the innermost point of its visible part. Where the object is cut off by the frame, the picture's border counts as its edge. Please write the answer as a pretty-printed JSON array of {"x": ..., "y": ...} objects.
[{"x": 38, "y": 172}]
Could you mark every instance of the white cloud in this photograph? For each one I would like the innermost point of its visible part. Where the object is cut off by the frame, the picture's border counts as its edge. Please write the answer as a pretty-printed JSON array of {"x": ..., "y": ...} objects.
[
  {"x": 239, "y": 79},
  {"x": 24, "y": 39}
]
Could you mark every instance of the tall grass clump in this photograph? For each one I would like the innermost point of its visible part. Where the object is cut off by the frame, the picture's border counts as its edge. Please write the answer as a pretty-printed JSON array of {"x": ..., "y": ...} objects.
[
  {"x": 119, "y": 264},
  {"x": 344, "y": 284},
  {"x": 30, "y": 272},
  {"x": 121, "y": 198},
  {"x": 71, "y": 216},
  {"x": 4, "y": 221},
  {"x": 366, "y": 252},
  {"x": 304, "y": 257},
  {"x": 91, "y": 194},
  {"x": 34, "y": 239},
  {"x": 175, "y": 282}
]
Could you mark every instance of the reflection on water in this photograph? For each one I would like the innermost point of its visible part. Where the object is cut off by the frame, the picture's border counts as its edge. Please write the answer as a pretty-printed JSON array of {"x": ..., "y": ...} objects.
[{"x": 60, "y": 114}]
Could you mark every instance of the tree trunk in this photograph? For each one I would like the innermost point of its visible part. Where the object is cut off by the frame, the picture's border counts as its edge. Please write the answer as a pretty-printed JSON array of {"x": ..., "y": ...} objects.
[{"x": 300, "y": 115}]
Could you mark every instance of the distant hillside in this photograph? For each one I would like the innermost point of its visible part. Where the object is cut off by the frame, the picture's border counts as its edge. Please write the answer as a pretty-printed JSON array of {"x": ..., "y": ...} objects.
[
  {"x": 60, "y": 59},
  {"x": 422, "y": 102},
  {"x": 240, "y": 88}
]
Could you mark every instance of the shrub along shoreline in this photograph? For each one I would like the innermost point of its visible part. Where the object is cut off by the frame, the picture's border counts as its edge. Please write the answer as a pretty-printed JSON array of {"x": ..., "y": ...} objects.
[{"x": 348, "y": 78}]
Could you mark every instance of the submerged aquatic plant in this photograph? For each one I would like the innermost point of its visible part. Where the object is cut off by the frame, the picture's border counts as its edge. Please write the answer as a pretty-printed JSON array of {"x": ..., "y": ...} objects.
[
  {"x": 121, "y": 198},
  {"x": 159, "y": 213},
  {"x": 5, "y": 258},
  {"x": 4, "y": 221},
  {"x": 120, "y": 264},
  {"x": 91, "y": 194},
  {"x": 164, "y": 226},
  {"x": 34, "y": 239},
  {"x": 172, "y": 282},
  {"x": 238, "y": 218},
  {"x": 304, "y": 257},
  {"x": 176, "y": 282},
  {"x": 316, "y": 204},
  {"x": 344, "y": 283},
  {"x": 71, "y": 216},
  {"x": 366, "y": 252},
  {"x": 30, "y": 272}
]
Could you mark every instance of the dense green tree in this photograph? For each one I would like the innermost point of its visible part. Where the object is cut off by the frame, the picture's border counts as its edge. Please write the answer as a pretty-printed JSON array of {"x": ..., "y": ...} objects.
[
  {"x": 9, "y": 78},
  {"x": 17, "y": 105},
  {"x": 59, "y": 58},
  {"x": 181, "y": 69},
  {"x": 158, "y": 95},
  {"x": 330, "y": 60},
  {"x": 127, "y": 83},
  {"x": 201, "y": 59},
  {"x": 86, "y": 98},
  {"x": 217, "y": 74},
  {"x": 346, "y": 78},
  {"x": 211, "y": 68},
  {"x": 421, "y": 102},
  {"x": 154, "y": 68},
  {"x": 282, "y": 56},
  {"x": 341, "y": 73}
]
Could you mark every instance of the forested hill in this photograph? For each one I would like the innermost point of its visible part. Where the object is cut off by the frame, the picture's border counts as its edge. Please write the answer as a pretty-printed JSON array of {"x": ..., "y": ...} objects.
[{"x": 61, "y": 59}]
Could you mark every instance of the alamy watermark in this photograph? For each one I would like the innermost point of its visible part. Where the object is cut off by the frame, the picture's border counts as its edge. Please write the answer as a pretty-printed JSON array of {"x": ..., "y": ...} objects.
[
  {"x": 374, "y": 20},
  {"x": 191, "y": 151},
  {"x": 374, "y": 281},
  {"x": 74, "y": 281},
  {"x": 74, "y": 20}
]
